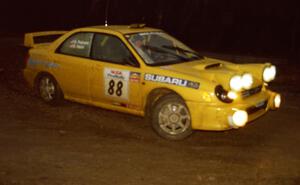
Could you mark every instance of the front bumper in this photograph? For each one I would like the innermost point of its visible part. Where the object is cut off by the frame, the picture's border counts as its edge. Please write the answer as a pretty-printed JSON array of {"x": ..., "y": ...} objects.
[{"x": 216, "y": 116}]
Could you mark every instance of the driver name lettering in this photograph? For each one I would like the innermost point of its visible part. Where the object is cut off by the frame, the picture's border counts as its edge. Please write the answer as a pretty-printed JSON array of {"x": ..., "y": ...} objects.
[{"x": 78, "y": 44}]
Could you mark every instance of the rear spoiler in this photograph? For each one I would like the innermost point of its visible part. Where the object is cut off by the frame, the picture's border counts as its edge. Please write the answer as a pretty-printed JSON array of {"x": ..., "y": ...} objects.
[{"x": 35, "y": 38}]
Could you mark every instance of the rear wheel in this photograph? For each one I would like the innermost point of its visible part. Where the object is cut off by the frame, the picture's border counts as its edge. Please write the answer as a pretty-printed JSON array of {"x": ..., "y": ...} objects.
[
  {"x": 171, "y": 118},
  {"x": 49, "y": 90}
]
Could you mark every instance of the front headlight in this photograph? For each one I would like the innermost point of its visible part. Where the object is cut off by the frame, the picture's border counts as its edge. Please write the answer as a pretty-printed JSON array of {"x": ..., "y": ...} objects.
[
  {"x": 223, "y": 95},
  {"x": 269, "y": 73},
  {"x": 247, "y": 80},
  {"x": 236, "y": 83}
]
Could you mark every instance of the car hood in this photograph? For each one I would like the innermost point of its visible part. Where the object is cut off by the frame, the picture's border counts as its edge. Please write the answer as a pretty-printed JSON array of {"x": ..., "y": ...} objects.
[{"x": 216, "y": 71}]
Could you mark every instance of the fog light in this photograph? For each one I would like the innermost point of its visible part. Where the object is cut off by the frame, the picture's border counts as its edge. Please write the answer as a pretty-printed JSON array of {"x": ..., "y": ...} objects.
[
  {"x": 277, "y": 101},
  {"x": 240, "y": 118},
  {"x": 232, "y": 95}
]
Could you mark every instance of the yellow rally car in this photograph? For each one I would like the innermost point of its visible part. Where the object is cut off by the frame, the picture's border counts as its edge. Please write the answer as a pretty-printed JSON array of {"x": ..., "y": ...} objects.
[{"x": 146, "y": 72}]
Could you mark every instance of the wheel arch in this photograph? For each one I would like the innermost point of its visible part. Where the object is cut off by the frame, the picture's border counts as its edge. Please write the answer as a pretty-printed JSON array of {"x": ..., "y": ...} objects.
[
  {"x": 157, "y": 98},
  {"x": 155, "y": 95},
  {"x": 38, "y": 77}
]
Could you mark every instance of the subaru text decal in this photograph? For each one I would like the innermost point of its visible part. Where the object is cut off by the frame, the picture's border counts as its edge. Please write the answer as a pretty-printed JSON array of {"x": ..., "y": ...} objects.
[{"x": 172, "y": 80}]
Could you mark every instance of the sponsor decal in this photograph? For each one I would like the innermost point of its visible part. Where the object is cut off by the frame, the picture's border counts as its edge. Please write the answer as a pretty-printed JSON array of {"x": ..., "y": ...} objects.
[
  {"x": 135, "y": 77},
  {"x": 117, "y": 74},
  {"x": 151, "y": 33},
  {"x": 34, "y": 63},
  {"x": 194, "y": 85},
  {"x": 116, "y": 83},
  {"x": 172, "y": 80}
]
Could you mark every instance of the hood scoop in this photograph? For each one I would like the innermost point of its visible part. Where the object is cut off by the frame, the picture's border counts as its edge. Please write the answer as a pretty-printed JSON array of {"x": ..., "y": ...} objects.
[{"x": 213, "y": 66}]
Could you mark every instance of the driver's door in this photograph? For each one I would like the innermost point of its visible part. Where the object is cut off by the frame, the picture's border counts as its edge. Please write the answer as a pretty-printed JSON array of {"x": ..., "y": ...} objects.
[{"x": 116, "y": 78}]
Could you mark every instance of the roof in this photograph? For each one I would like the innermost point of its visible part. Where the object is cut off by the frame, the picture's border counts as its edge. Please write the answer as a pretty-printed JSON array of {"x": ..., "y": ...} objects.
[{"x": 124, "y": 29}]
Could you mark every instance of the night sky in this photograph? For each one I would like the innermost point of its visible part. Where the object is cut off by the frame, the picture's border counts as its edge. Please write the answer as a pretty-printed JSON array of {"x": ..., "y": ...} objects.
[{"x": 265, "y": 28}]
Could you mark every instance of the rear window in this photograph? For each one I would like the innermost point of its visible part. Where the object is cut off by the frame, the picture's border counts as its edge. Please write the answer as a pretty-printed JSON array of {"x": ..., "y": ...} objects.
[{"x": 45, "y": 39}]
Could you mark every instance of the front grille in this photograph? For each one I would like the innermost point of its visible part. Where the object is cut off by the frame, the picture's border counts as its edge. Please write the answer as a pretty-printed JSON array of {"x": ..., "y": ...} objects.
[
  {"x": 257, "y": 107},
  {"x": 252, "y": 91}
]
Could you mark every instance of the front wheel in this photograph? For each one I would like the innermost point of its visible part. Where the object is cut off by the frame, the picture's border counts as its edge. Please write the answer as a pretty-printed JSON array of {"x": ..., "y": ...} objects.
[
  {"x": 171, "y": 118},
  {"x": 49, "y": 90}
]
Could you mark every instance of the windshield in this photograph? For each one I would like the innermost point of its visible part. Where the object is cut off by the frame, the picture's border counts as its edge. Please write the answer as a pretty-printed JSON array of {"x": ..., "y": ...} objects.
[{"x": 159, "y": 48}]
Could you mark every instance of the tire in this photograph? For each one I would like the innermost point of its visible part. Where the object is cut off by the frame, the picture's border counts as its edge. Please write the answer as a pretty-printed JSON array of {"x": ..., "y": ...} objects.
[
  {"x": 49, "y": 90},
  {"x": 171, "y": 118}
]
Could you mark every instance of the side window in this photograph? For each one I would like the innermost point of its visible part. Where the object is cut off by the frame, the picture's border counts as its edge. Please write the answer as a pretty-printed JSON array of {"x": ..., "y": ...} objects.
[
  {"x": 111, "y": 49},
  {"x": 78, "y": 44}
]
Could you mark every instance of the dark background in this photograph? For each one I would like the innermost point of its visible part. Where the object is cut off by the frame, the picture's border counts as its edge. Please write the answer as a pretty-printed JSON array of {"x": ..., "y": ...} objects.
[
  {"x": 76, "y": 144},
  {"x": 260, "y": 28}
]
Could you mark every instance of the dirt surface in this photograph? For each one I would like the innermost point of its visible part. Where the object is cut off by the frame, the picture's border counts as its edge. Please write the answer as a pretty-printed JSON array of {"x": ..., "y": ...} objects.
[{"x": 74, "y": 144}]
